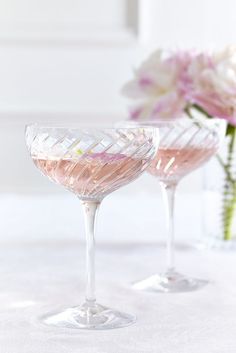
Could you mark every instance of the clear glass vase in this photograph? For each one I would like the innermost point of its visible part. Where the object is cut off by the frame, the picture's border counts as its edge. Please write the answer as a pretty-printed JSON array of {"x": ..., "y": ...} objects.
[{"x": 219, "y": 209}]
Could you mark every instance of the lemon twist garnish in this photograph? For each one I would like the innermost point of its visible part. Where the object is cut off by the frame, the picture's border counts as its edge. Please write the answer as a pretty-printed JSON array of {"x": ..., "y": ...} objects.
[{"x": 79, "y": 152}]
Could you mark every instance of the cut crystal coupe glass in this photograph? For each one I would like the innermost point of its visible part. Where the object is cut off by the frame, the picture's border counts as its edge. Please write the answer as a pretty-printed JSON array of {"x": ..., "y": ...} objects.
[
  {"x": 91, "y": 163},
  {"x": 185, "y": 144}
]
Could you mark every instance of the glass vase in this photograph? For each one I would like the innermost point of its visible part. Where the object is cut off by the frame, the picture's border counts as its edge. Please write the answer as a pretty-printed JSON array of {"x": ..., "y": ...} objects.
[{"x": 219, "y": 209}]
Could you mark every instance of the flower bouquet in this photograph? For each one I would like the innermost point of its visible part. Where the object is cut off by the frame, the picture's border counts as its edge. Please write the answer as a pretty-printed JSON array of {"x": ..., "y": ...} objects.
[{"x": 170, "y": 84}]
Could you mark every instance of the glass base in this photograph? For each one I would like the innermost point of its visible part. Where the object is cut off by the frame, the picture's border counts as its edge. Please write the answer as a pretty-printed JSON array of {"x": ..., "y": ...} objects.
[
  {"x": 89, "y": 316},
  {"x": 214, "y": 243},
  {"x": 170, "y": 282}
]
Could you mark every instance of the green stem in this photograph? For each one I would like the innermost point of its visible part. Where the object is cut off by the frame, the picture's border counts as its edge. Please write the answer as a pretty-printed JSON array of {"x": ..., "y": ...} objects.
[
  {"x": 188, "y": 112},
  {"x": 226, "y": 169},
  {"x": 229, "y": 210},
  {"x": 229, "y": 200}
]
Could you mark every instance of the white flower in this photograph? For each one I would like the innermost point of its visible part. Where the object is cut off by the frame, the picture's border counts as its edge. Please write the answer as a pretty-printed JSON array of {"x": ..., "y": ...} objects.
[{"x": 160, "y": 86}]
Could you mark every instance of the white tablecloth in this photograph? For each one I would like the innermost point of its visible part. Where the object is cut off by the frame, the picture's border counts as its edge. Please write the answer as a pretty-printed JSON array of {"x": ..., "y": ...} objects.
[
  {"x": 38, "y": 275},
  {"x": 36, "y": 279}
]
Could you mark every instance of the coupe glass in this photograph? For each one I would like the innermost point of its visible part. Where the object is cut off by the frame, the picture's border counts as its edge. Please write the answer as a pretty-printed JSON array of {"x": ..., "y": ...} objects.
[
  {"x": 91, "y": 163},
  {"x": 185, "y": 145}
]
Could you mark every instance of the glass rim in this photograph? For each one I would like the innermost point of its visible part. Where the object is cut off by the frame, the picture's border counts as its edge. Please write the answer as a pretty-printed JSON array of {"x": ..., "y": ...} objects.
[
  {"x": 218, "y": 125},
  {"x": 152, "y": 122},
  {"x": 85, "y": 126}
]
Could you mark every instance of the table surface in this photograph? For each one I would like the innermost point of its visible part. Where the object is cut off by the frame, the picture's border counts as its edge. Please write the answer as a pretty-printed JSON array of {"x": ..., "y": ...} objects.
[
  {"x": 36, "y": 279},
  {"x": 42, "y": 270}
]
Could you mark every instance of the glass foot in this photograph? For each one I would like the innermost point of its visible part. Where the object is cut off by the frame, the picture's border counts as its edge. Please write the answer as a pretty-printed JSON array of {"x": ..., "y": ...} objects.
[
  {"x": 214, "y": 243},
  {"x": 90, "y": 317},
  {"x": 170, "y": 282}
]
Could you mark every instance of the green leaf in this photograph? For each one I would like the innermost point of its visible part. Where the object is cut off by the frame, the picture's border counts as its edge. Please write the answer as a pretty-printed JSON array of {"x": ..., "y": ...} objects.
[
  {"x": 230, "y": 130},
  {"x": 201, "y": 110}
]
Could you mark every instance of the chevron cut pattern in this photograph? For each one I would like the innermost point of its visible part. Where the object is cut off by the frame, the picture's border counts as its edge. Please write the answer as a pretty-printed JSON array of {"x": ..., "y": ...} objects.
[
  {"x": 184, "y": 146},
  {"x": 91, "y": 162}
]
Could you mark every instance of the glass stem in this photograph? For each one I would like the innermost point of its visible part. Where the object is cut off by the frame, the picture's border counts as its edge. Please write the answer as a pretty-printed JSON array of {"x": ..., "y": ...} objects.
[
  {"x": 90, "y": 212},
  {"x": 168, "y": 192}
]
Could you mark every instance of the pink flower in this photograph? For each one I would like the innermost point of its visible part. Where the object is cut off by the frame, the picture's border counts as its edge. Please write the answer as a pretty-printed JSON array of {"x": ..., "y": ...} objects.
[
  {"x": 167, "y": 83},
  {"x": 160, "y": 85},
  {"x": 214, "y": 83}
]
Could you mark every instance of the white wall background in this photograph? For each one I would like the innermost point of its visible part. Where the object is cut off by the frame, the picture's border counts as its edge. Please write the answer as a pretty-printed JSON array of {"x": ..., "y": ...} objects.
[{"x": 67, "y": 60}]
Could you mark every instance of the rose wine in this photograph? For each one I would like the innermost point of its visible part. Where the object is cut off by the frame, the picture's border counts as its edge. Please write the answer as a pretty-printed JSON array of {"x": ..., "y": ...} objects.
[
  {"x": 173, "y": 163},
  {"x": 91, "y": 175}
]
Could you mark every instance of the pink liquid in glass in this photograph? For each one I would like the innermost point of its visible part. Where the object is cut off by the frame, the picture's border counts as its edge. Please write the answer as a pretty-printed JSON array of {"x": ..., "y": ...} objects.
[
  {"x": 173, "y": 163},
  {"x": 92, "y": 176}
]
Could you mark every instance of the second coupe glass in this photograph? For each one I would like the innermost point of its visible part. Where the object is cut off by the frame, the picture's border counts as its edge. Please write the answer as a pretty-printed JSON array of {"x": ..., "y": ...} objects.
[
  {"x": 91, "y": 163},
  {"x": 185, "y": 144}
]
